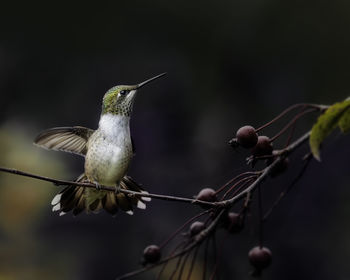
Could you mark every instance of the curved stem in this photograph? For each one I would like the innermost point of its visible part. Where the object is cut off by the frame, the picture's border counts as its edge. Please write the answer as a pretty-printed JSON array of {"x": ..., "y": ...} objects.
[
  {"x": 266, "y": 172},
  {"x": 178, "y": 263},
  {"x": 245, "y": 184},
  {"x": 215, "y": 258},
  {"x": 233, "y": 179},
  {"x": 205, "y": 263},
  {"x": 200, "y": 238},
  {"x": 182, "y": 267},
  {"x": 292, "y": 122},
  {"x": 165, "y": 263},
  {"x": 192, "y": 263},
  {"x": 172, "y": 236},
  {"x": 261, "y": 229},
  {"x": 238, "y": 183},
  {"x": 305, "y": 105},
  {"x": 283, "y": 193}
]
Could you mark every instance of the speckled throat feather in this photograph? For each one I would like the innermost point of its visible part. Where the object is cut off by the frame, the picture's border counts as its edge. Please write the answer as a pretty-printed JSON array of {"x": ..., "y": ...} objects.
[{"x": 116, "y": 104}]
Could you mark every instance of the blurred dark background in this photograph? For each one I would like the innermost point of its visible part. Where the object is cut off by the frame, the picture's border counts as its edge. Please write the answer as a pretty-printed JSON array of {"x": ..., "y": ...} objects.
[{"x": 229, "y": 63}]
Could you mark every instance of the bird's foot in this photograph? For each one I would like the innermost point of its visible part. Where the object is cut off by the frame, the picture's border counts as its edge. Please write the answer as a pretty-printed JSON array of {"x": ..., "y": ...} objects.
[
  {"x": 117, "y": 189},
  {"x": 98, "y": 186}
]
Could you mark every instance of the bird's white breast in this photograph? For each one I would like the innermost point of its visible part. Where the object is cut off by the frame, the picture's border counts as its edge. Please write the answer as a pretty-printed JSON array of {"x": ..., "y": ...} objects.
[
  {"x": 115, "y": 127},
  {"x": 110, "y": 150}
]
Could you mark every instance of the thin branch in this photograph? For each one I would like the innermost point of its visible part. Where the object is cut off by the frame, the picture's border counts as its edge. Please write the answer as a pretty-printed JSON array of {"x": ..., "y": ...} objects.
[
  {"x": 261, "y": 224},
  {"x": 192, "y": 262},
  {"x": 235, "y": 178},
  {"x": 287, "y": 190},
  {"x": 171, "y": 254},
  {"x": 241, "y": 187},
  {"x": 215, "y": 257},
  {"x": 280, "y": 115},
  {"x": 161, "y": 270},
  {"x": 246, "y": 204},
  {"x": 172, "y": 236},
  {"x": 291, "y": 132},
  {"x": 224, "y": 203},
  {"x": 305, "y": 105},
  {"x": 219, "y": 254},
  {"x": 58, "y": 182},
  {"x": 205, "y": 263},
  {"x": 196, "y": 241},
  {"x": 183, "y": 265},
  {"x": 281, "y": 154},
  {"x": 221, "y": 206},
  {"x": 177, "y": 266},
  {"x": 243, "y": 180},
  {"x": 291, "y": 123}
]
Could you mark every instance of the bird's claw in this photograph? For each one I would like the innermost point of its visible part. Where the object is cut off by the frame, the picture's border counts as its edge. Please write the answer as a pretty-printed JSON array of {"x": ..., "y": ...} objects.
[
  {"x": 98, "y": 186},
  {"x": 117, "y": 189}
]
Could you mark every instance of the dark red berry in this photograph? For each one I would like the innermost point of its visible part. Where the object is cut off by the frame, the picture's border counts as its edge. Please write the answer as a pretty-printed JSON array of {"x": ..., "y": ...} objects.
[
  {"x": 233, "y": 222},
  {"x": 196, "y": 228},
  {"x": 280, "y": 167},
  {"x": 260, "y": 257},
  {"x": 151, "y": 254},
  {"x": 247, "y": 137},
  {"x": 263, "y": 147},
  {"x": 207, "y": 194}
]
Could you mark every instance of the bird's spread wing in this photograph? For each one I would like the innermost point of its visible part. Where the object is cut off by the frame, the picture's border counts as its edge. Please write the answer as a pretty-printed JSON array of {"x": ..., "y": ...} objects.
[{"x": 68, "y": 139}]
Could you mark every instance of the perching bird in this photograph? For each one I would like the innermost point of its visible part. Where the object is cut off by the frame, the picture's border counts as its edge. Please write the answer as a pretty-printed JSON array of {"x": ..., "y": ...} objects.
[{"x": 107, "y": 151}]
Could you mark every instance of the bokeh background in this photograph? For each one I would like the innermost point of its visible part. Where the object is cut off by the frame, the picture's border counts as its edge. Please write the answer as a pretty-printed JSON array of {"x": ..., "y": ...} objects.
[{"x": 229, "y": 63}]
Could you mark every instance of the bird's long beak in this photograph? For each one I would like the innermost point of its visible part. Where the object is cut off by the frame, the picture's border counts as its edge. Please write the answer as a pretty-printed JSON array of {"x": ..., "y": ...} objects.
[{"x": 149, "y": 80}]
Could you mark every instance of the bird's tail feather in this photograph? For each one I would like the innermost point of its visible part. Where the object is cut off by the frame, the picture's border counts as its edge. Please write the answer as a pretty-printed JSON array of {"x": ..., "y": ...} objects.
[{"x": 78, "y": 199}]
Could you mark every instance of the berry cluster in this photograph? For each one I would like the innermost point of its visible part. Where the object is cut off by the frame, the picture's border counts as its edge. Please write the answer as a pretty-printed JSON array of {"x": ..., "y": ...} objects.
[{"x": 218, "y": 204}]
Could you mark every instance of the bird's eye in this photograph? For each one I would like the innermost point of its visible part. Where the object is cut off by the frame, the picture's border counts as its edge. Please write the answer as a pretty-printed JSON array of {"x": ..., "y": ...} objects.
[{"x": 123, "y": 92}]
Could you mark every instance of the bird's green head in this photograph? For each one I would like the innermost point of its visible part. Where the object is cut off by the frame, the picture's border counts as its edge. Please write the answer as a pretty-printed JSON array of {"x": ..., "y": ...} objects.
[{"x": 119, "y": 99}]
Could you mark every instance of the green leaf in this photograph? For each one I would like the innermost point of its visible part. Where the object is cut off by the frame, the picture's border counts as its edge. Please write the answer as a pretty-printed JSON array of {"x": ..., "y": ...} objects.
[
  {"x": 327, "y": 122},
  {"x": 344, "y": 122}
]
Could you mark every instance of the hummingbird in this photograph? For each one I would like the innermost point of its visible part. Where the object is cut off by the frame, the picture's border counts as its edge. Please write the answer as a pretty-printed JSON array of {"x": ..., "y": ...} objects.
[{"x": 108, "y": 151}]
